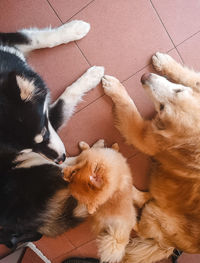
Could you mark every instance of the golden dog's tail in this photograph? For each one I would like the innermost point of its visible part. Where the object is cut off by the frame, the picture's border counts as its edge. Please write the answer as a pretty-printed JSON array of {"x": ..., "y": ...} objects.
[{"x": 145, "y": 251}]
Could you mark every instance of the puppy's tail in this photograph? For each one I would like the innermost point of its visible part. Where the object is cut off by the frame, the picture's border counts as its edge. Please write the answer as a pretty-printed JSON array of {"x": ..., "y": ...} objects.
[{"x": 145, "y": 251}]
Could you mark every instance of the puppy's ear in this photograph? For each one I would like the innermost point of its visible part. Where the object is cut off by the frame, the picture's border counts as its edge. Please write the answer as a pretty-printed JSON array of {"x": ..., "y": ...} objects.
[
  {"x": 96, "y": 177},
  {"x": 115, "y": 147}
]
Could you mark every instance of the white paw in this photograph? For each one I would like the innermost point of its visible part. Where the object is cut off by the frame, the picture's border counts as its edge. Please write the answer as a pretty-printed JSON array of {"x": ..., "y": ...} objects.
[
  {"x": 110, "y": 84},
  {"x": 75, "y": 30},
  {"x": 94, "y": 75},
  {"x": 160, "y": 61}
]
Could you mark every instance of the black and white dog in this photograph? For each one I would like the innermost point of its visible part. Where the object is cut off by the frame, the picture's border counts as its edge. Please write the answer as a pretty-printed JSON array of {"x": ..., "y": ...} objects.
[{"x": 34, "y": 199}]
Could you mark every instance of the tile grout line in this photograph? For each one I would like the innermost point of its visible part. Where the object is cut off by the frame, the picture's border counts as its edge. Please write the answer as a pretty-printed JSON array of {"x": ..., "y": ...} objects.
[
  {"x": 133, "y": 155},
  {"x": 68, "y": 20},
  {"x": 165, "y": 29},
  {"x": 188, "y": 38},
  {"x": 75, "y": 248},
  {"x": 79, "y": 10},
  {"x": 143, "y": 67},
  {"x": 54, "y": 11},
  {"x": 80, "y": 50}
]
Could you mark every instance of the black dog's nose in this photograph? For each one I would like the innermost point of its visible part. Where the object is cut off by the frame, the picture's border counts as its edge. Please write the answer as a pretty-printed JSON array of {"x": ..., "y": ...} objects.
[{"x": 61, "y": 159}]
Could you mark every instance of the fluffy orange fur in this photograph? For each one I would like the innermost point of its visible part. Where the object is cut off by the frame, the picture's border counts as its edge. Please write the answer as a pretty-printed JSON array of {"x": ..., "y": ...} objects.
[
  {"x": 102, "y": 181},
  {"x": 171, "y": 217}
]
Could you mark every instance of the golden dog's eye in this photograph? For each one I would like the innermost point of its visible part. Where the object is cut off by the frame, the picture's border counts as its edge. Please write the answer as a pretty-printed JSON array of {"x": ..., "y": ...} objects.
[
  {"x": 162, "y": 106},
  {"x": 178, "y": 90}
]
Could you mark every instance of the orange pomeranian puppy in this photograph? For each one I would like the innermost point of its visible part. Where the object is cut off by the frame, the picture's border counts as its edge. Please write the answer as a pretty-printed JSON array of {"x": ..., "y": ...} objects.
[{"x": 102, "y": 181}]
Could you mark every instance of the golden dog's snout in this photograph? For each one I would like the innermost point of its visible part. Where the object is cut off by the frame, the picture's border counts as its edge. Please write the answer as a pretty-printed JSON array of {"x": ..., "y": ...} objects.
[{"x": 145, "y": 77}]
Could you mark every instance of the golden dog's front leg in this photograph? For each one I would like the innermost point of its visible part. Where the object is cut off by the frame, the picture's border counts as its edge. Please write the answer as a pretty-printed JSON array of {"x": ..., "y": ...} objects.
[
  {"x": 128, "y": 120},
  {"x": 180, "y": 74}
]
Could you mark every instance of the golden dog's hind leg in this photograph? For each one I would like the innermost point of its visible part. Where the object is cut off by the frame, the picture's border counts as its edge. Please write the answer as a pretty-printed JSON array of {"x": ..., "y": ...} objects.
[
  {"x": 128, "y": 120},
  {"x": 180, "y": 74}
]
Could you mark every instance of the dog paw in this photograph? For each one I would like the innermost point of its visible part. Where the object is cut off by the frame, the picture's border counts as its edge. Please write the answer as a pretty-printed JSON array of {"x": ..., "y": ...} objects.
[
  {"x": 94, "y": 75},
  {"x": 84, "y": 146},
  {"x": 75, "y": 30},
  {"x": 110, "y": 250},
  {"x": 110, "y": 84},
  {"x": 161, "y": 61}
]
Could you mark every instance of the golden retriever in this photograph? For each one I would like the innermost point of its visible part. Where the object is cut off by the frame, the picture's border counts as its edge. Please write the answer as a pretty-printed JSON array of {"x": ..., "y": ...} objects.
[
  {"x": 101, "y": 180},
  {"x": 171, "y": 217}
]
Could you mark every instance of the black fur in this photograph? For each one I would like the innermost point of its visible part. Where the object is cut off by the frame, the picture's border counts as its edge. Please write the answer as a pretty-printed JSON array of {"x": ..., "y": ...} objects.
[{"x": 11, "y": 39}]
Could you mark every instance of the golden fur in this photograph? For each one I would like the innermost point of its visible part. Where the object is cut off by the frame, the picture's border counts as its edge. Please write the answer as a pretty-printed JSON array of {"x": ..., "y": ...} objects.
[
  {"x": 171, "y": 217},
  {"x": 102, "y": 181}
]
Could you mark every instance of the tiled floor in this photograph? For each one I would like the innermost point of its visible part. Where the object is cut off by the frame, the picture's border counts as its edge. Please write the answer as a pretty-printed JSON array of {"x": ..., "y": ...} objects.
[{"x": 124, "y": 35}]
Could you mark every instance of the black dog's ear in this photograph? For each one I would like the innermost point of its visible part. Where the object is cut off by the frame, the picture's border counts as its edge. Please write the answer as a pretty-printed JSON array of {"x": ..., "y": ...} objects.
[{"x": 26, "y": 88}]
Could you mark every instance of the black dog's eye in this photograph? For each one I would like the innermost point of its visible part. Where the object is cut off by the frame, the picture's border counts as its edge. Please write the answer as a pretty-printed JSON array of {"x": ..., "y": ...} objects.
[{"x": 162, "y": 106}]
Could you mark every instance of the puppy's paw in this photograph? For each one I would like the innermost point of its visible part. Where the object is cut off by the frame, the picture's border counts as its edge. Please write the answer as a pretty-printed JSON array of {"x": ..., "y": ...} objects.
[
  {"x": 84, "y": 146},
  {"x": 75, "y": 29},
  {"x": 162, "y": 61},
  {"x": 110, "y": 250}
]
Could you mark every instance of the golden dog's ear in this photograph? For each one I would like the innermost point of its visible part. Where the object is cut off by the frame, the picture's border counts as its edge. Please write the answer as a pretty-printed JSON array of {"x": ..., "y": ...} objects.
[
  {"x": 159, "y": 123},
  {"x": 161, "y": 128}
]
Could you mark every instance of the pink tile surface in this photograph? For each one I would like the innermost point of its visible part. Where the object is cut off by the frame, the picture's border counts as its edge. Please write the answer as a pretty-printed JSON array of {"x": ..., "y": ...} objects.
[
  {"x": 26, "y": 13},
  {"x": 180, "y": 17},
  {"x": 121, "y": 36},
  {"x": 4, "y": 251},
  {"x": 188, "y": 258},
  {"x": 67, "y": 8},
  {"x": 53, "y": 247},
  {"x": 92, "y": 123},
  {"x": 31, "y": 257},
  {"x": 80, "y": 235},
  {"x": 190, "y": 52},
  {"x": 87, "y": 250}
]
